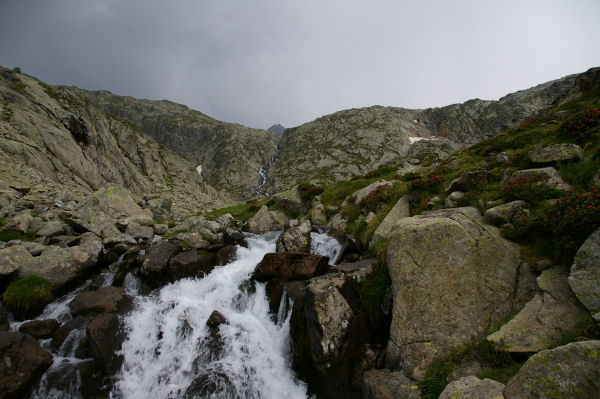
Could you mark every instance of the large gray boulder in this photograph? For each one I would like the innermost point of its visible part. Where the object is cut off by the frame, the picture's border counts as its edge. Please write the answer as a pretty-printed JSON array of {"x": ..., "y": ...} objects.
[
  {"x": 295, "y": 238},
  {"x": 552, "y": 312},
  {"x": 570, "y": 371},
  {"x": 503, "y": 213},
  {"x": 359, "y": 195},
  {"x": 399, "y": 211},
  {"x": 548, "y": 177},
  {"x": 472, "y": 387},
  {"x": 584, "y": 277},
  {"x": 552, "y": 153},
  {"x": 62, "y": 266},
  {"x": 386, "y": 384},
  {"x": 51, "y": 229},
  {"x": 452, "y": 275},
  {"x": 260, "y": 223},
  {"x": 12, "y": 258}
]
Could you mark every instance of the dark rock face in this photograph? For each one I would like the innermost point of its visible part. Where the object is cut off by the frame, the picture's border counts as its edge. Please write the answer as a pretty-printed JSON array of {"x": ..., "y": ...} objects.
[
  {"x": 40, "y": 329},
  {"x": 156, "y": 261},
  {"x": 191, "y": 264},
  {"x": 106, "y": 339},
  {"x": 23, "y": 362},
  {"x": 290, "y": 266},
  {"x": 276, "y": 128},
  {"x": 63, "y": 332},
  {"x": 216, "y": 319},
  {"x": 106, "y": 299},
  {"x": 78, "y": 129},
  {"x": 4, "y": 323},
  {"x": 206, "y": 385},
  {"x": 225, "y": 255}
]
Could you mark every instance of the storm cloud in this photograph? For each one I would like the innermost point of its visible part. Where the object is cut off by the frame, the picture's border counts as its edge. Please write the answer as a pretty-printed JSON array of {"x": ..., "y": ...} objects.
[{"x": 262, "y": 62}]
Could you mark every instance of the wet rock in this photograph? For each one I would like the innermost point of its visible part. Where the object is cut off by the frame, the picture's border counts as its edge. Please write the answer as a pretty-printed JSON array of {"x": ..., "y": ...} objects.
[
  {"x": 295, "y": 239},
  {"x": 23, "y": 362},
  {"x": 154, "y": 264},
  {"x": 504, "y": 213},
  {"x": 106, "y": 339},
  {"x": 386, "y": 384},
  {"x": 191, "y": 263},
  {"x": 12, "y": 258},
  {"x": 570, "y": 371},
  {"x": 260, "y": 223},
  {"x": 226, "y": 255},
  {"x": 63, "y": 331},
  {"x": 4, "y": 323},
  {"x": 552, "y": 312},
  {"x": 209, "y": 384},
  {"x": 40, "y": 329},
  {"x": 235, "y": 237},
  {"x": 469, "y": 181},
  {"x": 552, "y": 153},
  {"x": 215, "y": 319},
  {"x": 584, "y": 278},
  {"x": 452, "y": 275},
  {"x": 106, "y": 299},
  {"x": 63, "y": 266},
  {"x": 472, "y": 387},
  {"x": 290, "y": 266}
]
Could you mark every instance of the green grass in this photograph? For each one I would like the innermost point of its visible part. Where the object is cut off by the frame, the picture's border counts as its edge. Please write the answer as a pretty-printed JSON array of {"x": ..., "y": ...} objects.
[
  {"x": 28, "y": 296},
  {"x": 240, "y": 211},
  {"x": 9, "y": 234},
  {"x": 7, "y": 113},
  {"x": 579, "y": 174},
  {"x": 18, "y": 86}
]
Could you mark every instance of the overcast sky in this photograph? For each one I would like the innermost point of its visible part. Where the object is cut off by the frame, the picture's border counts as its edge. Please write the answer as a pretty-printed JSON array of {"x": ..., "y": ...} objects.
[{"x": 259, "y": 62}]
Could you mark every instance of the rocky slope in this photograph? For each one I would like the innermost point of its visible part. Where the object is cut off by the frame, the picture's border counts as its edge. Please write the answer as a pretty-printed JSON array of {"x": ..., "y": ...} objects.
[
  {"x": 54, "y": 141},
  {"x": 230, "y": 154},
  {"x": 352, "y": 142}
]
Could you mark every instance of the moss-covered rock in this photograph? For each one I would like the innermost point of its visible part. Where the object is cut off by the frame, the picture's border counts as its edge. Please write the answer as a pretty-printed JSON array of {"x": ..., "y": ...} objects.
[{"x": 27, "y": 297}]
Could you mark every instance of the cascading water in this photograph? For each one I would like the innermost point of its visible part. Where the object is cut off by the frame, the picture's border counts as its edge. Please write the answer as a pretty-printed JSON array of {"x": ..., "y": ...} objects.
[
  {"x": 324, "y": 244},
  {"x": 170, "y": 352}
]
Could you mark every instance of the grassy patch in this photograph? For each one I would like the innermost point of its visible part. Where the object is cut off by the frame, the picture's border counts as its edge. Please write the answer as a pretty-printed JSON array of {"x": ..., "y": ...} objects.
[
  {"x": 240, "y": 211},
  {"x": 27, "y": 297},
  {"x": 18, "y": 86},
  {"x": 9, "y": 234},
  {"x": 7, "y": 113},
  {"x": 579, "y": 174}
]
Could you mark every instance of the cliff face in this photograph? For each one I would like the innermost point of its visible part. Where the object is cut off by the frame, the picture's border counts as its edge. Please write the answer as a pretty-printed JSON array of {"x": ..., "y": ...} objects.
[
  {"x": 230, "y": 154},
  {"x": 51, "y": 138}
]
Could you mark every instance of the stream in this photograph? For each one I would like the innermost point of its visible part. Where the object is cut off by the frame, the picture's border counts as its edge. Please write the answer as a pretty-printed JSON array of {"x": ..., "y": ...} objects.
[{"x": 169, "y": 352}]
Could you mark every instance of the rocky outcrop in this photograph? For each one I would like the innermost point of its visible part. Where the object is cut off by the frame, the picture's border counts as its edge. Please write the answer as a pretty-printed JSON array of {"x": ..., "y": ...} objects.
[
  {"x": 584, "y": 278},
  {"x": 451, "y": 276},
  {"x": 385, "y": 228},
  {"x": 295, "y": 239},
  {"x": 552, "y": 153},
  {"x": 261, "y": 222},
  {"x": 552, "y": 312},
  {"x": 472, "y": 387},
  {"x": 504, "y": 213},
  {"x": 105, "y": 299},
  {"x": 570, "y": 371},
  {"x": 386, "y": 384},
  {"x": 12, "y": 258},
  {"x": 23, "y": 362},
  {"x": 546, "y": 176}
]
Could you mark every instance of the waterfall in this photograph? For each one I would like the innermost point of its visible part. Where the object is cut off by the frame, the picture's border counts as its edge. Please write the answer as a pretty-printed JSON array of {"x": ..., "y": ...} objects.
[
  {"x": 170, "y": 352},
  {"x": 324, "y": 244}
]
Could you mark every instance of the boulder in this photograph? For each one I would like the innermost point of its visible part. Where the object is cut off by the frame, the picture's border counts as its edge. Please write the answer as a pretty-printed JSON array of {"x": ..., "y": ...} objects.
[
  {"x": 234, "y": 236},
  {"x": 386, "y": 384},
  {"x": 551, "y": 153},
  {"x": 318, "y": 214},
  {"x": 63, "y": 266},
  {"x": 260, "y": 223},
  {"x": 137, "y": 230},
  {"x": 399, "y": 211},
  {"x": 584, "y": 278},
  {"x": 142, "y": 219},
  {"x": 34, "y": 248},
  {"x": 191, "y": 263},
  {"x": 469, "y": 181},
  {"x": 119, "y": 239},
  {"x": 63, "y": 331},
  {"x": 295, "y": 238},
  {"x": 51, "y": 229},
  {"x": 156, "y": 260},
  {"x": 106, "y": 339},
  {"x": 452, "y": 275},
  {"x": 453, "y": 199},
  {"x": 40, "y": 329},
  {"x": 548, "y": 176},
  {"x": 160, "y": 228},
  {"x": 215, "y": 319},
  {"x": 193, "y": 240},
  {"x": 12, "y": 258},
  {"x": 290, "y": 266},
  {"x": 338, "y": 225},
  {"x": 504, "y": 213},
  {"x": 106, "y": 299},
  {"x": 20, "y": 222},
  {"x": 552, "y": 312},
  {"x": 226, "y": 255},
  {"x": 472, "y": 387},
  {"x": 570, "y": 371},
  {"x": 365, "y": 191},
  {"x": 23, "y": 362}
]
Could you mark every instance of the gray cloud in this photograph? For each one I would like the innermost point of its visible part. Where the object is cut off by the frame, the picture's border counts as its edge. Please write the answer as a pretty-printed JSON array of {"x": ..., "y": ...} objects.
[{"x": 281, "y": 61}]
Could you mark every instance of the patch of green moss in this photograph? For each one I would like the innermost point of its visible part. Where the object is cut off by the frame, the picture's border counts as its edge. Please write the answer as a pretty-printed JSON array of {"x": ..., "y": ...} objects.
[
  {"x": 9, "y": 234},
  {"x": 242, "y": 211},
  {"x": 28, "y": 296}
]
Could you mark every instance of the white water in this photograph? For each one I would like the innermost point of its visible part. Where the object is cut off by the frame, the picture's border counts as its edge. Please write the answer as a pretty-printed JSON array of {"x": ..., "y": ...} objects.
[
  {"x": 323, "y": 244},
  {"x": 169, "y": 345}
]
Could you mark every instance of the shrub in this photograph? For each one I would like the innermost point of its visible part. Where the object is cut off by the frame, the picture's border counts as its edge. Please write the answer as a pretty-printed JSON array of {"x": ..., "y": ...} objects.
[
  {"x": 408, "y": 176},
  {"x": 309, "y": 191},
  {"x": 381, "y": 195},
  {"x": 28, "y": 296},
  {"x": 529, "y": 189},
  {"x": 429, "y": 183},
  {"x": 580, "y": 126}
]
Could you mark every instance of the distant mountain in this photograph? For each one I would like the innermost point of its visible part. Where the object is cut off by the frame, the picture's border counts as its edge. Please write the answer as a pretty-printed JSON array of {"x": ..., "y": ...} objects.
[{"x": 279, "y": 129}]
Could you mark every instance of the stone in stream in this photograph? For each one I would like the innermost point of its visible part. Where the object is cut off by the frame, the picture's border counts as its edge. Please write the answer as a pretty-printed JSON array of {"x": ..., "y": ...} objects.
[
  {"x": 106, "y": 339},
  {"x": 290, "y": 266},
  {"x": 105, "y": 299},
  {"x": 295, "y": 238},
  {"x": 40, "y": 329}
]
